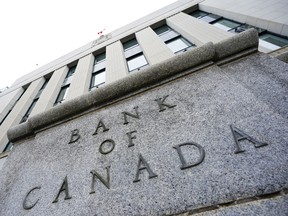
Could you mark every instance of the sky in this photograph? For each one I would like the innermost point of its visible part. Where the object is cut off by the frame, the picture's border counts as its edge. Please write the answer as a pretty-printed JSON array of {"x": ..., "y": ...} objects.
[{"x": 36, "y": 32}]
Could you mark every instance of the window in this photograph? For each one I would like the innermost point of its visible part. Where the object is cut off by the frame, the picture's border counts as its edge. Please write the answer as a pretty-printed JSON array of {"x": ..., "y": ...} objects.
[
  {"x": 69, "y": 75},
  {"x": 134, "y": 55},
  {"x": 136, "y": 61},
  {"x": 65, "y": 86},
  {"x": 173, "y": 39},
  {"x": 130, "y": 44},
  {"x": 42, "y": 88},
  {"x": 62, "y": 94},
  {"x": 198, "y": 14},
  {"x": 12, "y": 108},
  {"x": 6, "y": 116},
  {"x": 98, "y": 79},
  {"x": 99, "y": 62},
  {"x": 266, "y": 39},
  {"x": 71, "y": 71},
  {"x": 226, "y": 25},
  {"x": 8, "y": 147},
  {"x": 98, "y": 75},
  {"x": 245, "y": 27},
  {"x": 272, "y": 41},
  {"x": 25, "y": 117},
  {"x": 178, "y": 44},
  {"x": 210, "y": 18}
]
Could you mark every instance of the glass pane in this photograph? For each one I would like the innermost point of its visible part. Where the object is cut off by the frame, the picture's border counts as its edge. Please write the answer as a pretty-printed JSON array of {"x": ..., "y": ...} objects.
[
  {"x": 5, "y": 117},
  {"x": 99, "y": 66},
  {"x": 244, "y": 27},
  {"x": 178, "y": 44},
  {"x": 71, "y": 71},
  {"x": 226, "y": 25},
  {"x": 97, "y": 79},
  {"x": 274, "y": 39},
  {"x": 31, "y": 107},
  {"x": 62, "y": 94},
  {"x": 133, "y": 51},
  {"x": 25, "y": 117},
  {"x": 130, "y": 44},
  {"x": 45, "y": 84},
  {"x": 67, "y": 80},
  {"x": 210, "y": 18},
  {"x": 268, "y": 45},
  {"x": 198, "y": 14},
  {"x": 8, "y": 147},
  {"x": 99, "y": 58},
  {"x": 169, "y": 35},
  {"x": 136, "y": 62},
  {"x": 162, "y": 29}
]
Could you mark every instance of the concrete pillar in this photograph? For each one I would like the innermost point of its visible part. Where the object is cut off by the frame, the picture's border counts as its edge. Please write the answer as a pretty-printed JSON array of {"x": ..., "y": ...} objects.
[
  {"x": 195, "y": 30},
  {"x": 50, "y": 93},
  {"x": 8, "y": 100},
  {"x": 154, "y": 49},
  {"x": 81, "y": 78},
  {"x": 116, "y": 66},
  {"x": 19, "y": 110}
]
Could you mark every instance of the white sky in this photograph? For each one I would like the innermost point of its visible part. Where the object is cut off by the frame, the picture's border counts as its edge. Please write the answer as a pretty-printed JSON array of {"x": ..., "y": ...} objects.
[{"x": 36, "y": 32}]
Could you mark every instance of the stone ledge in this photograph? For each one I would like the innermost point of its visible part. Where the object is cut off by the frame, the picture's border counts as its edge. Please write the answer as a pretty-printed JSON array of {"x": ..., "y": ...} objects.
[
  {"x": 283, "y": 57},
  {"x": 148, "y": 77},
  {"x": 236, "y": 44},
  {"x": 241, "y": 204}
]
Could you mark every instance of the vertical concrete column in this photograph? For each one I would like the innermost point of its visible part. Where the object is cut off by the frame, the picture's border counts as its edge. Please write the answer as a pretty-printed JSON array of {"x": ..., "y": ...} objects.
[
  {"x": 81, "y": 78},
  {"x": 50, "y": 93},
  {"x": 196, "y": 30},
  {"x": 19, "y": 110},
  {"x": 116, "y": 66},
  {"x": 154, "y": 49},
  {"x": 8, "y": 100}
]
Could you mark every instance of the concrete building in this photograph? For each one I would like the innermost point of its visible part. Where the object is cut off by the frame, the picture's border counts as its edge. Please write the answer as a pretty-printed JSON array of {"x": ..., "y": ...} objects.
[
  {"x": 157, "y": 37},
  {"x": 168, "y": 34}
]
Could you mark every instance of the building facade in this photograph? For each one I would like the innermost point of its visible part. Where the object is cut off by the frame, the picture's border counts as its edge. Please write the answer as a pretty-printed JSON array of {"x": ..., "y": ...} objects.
[
  {"x": 177, "y": 38},
  {"x": 145, "y": 42}
]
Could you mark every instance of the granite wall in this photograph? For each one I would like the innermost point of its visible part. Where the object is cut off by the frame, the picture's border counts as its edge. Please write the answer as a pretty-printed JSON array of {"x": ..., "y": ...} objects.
[{"x": 210, "y": 139}]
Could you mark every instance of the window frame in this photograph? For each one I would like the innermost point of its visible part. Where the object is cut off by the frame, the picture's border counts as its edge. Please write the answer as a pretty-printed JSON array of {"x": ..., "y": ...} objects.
[
  {"x": 8, "y": 147},
  {"x": 170, "y": 35},
  {"x": 182, "y": 39},
  {"x": 229, "y": 29},
  {"x": 134, "y": 57},
  {"x": 66, "y": 87},
  {"x": 275, "y": 36},
  {"x": 131, "y": 54},
  {"x": 31, "y": 107},
  {"x": 94, "y": 78}
]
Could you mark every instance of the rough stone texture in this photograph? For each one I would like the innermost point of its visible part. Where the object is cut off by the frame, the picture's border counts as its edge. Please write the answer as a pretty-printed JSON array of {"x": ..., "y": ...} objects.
[
  {"x": 207, "y": 101},
  {"x": 270, "y": 84},
  {"x": 236, "y": 44},
  {"x": 21, "y": 131},
  {"x": 283, "y": 57},
  {"x": 275, "y": 206}
]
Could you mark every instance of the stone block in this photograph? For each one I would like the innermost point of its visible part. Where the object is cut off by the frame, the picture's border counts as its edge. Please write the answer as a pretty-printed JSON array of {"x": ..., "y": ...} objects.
[{"x": 199, "y": 140}]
